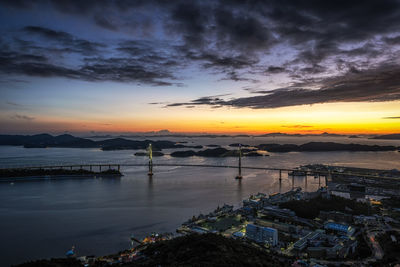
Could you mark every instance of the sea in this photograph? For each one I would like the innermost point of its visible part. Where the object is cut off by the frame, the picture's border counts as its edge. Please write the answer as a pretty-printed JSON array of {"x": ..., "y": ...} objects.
[{"x": 45, "y": 218}]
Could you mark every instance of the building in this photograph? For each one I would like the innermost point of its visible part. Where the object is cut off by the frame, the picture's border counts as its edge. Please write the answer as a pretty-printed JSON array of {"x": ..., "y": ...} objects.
[
  {"x": 362, "y": 219},
  {"x": 275, "y": 211},
  {"x": 262, "y": 234},
  {"x": 255, "y": 203},
  {"x": 282, "y": 227},
  {"x": 335, "y": 216},
  {"x": 276, "y": 198},
  {"x": 309, "y": 238},
  {"x": 300, "y": 244},
  {"x": 340, "y": 228}
]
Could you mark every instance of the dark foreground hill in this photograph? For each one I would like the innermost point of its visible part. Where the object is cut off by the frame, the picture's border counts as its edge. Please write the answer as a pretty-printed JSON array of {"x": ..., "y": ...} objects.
[
  {"x": 194, "y": 250},
  {"x": 205, "y": 250}
]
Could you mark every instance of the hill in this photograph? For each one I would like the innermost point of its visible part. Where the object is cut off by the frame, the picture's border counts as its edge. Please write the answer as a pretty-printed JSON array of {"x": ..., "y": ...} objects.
[
  {"x": 189, "y": 250},
  {"x": 205, "y": 250},
  {"x": 66, "y": 140}
]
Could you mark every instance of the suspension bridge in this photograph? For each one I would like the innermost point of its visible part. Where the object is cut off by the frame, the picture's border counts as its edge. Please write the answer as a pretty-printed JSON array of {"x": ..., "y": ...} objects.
[{"x": 291, "y": 172}]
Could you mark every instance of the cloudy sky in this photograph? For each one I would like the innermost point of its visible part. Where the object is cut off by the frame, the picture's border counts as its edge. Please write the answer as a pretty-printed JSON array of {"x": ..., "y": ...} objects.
[{"x": 218, "y": 66}]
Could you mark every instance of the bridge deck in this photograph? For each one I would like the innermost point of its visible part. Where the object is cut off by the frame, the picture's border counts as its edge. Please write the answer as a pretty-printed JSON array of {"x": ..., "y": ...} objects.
[{"x": 310, "y": 172}]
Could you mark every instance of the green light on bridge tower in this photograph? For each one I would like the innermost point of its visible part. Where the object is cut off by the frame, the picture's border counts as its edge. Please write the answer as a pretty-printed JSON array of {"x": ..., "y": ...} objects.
[
  {"x": 150, "y": 153},
  {"x": 239, "y": 176}
]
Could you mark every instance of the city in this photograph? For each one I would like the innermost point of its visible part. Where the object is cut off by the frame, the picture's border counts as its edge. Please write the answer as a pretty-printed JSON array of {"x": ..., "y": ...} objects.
[
  {"x": 200, "y": 133},
  {"x": 358, "y": 231}
]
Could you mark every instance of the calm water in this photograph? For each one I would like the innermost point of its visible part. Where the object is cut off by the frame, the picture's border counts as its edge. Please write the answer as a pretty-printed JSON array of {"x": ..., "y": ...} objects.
[{"x": 45, "y": 218}]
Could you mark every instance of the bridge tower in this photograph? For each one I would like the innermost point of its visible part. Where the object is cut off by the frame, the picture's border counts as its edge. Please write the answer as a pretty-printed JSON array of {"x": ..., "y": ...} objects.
[
  {"x": 150, "y": 153},
  {"x": 239, "y": 176}
]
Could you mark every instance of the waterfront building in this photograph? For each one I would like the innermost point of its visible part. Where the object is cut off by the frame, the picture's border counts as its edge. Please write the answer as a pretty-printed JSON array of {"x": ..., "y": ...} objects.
[
  {"x": 262, "y": 234},
  {"x": 199, "y": 230},
  {"x": 277, "y": 212},
  {"x": 255, "y": 203}
]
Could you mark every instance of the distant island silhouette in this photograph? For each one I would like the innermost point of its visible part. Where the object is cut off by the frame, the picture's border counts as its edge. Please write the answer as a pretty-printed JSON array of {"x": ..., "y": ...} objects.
[
  {"x": 69, "y": 141},
  {"x": 388, "y": 137}
]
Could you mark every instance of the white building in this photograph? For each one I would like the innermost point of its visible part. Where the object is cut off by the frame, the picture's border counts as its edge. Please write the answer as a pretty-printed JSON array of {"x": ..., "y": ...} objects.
[{"x": 262, "y": 234}]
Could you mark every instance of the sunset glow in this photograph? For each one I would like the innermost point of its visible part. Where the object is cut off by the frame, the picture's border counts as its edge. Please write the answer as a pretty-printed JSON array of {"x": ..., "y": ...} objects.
[{"x": 96, "y": 78}]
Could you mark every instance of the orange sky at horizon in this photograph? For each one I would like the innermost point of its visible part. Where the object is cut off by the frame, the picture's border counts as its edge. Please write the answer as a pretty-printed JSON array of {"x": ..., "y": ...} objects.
[{"x": 339, "y": 118}]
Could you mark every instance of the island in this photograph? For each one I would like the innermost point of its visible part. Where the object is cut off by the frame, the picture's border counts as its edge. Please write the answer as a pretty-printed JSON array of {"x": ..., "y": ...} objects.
[
  {"x": 323, "y": 147},
  {"x": 388, "y": 137},
  {"x": 217, "y": 152},
  {"x": 69, "y": 141},
  {"x": 307, "y": 147}
]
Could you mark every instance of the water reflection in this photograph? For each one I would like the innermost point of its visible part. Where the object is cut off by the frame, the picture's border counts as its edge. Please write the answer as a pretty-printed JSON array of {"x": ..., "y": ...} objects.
[
  {"x": 239, "y": 191},
  {"x": 150, "y": 196},
  {"x": 44, "y": 218}
]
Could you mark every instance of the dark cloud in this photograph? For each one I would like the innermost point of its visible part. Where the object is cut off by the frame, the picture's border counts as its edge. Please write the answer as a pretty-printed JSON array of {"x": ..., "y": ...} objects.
[
  {"x": 70, "y": 43},
  {"x": 18, "y": 3},
  {"x": 229, "y": 37},
  {"x": 22, "y": 117},
  {"x": 391, "y": 118},
  {"x": 99, "y": 69},
  {"x": 380, "y": 84},
  {"x": 129, "y": 72},
  {"x": 80, "y": 7},
  {"x": 13, "y": 104},
  {"x": 241, "y": 30},
  {"x": 215, "y": 100},
  {"x": 135, "y": 61},
  {"x": 157, "y": 103},
  {"x": 105, "y": 23},
  {"x": 275, "y": 69},
  {"x": 153, "y": 53},
  {"x": 219, "y": 61},
  {"x": 231, "y": 66},
  {"x": 191, "y": 20},
  {"x": 392, "y": 40},
  {"x": 48, "y": 33}
]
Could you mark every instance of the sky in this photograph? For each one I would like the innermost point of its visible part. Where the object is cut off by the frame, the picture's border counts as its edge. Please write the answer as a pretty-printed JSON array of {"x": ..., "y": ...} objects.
[{"x": 218, "y": 66}]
